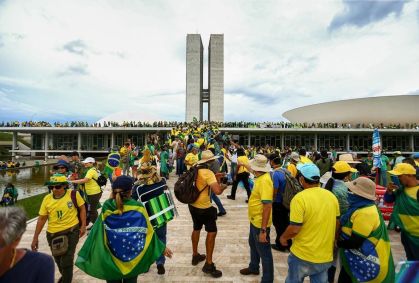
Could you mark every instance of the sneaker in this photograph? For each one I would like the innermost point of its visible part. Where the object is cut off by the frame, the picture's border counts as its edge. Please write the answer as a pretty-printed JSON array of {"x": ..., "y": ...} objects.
[
  {"x": 280, "y": 249},
  {"x": 247, "y": 271},
  {"x": 221, "y": 213},
  {"x": 211, "y": 269},
  {"x": 230, "y": 197},
  {"x": 160, "y": 269},
  {"x": 198, "y": 258}
]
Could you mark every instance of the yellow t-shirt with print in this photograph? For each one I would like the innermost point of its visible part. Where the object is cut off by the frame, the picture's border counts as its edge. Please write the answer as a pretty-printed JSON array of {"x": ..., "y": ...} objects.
[
  {"x": 243, "y": 160},
  {"x": 191, "y": 159},
  {"x": 204, "y": 179},
  {"x": 91, "y": 187},
  {"x": 316, "y": 210},
  {"x": 263, "y": 191},
  {"x": 61, "y": 212}
]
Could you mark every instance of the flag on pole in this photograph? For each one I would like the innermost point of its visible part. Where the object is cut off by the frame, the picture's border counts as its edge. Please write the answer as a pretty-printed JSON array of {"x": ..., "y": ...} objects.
[
  {"x": 376, "y": 149},
  {"x": 120, "y": 246}
]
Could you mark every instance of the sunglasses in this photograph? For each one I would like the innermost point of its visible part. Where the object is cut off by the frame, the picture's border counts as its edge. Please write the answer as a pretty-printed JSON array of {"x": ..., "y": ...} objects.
[
  {"x": 57, "y": 187},
  {"x": 61, "y": 167}
]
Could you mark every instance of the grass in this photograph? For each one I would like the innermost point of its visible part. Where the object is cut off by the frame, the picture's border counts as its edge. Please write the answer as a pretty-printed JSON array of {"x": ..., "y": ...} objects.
[
  {"x": 31, "y": 205},
  {"x": 9, "y": 137}
]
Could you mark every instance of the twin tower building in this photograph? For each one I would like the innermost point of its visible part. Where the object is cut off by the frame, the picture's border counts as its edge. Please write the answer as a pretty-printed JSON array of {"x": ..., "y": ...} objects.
[{"x": 196, "y": 94}]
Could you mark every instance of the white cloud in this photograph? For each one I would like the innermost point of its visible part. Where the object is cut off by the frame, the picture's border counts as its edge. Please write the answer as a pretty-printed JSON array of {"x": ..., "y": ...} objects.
[{"x": 104, "y": 56}]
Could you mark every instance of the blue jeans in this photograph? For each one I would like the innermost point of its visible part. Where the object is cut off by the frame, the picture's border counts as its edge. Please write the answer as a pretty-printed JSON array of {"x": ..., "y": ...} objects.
[
  {"x": 261, "y": 252},
  {"x": 180, "y": 166},
  {"x": 161, "y": 234},
  {"x": 383, "y": 177},
  {"x": 217, "y": 202},
  {"x": 298, "y": 269}
]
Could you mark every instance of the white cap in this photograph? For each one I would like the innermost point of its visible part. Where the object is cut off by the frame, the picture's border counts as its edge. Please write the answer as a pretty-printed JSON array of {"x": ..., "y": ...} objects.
[{"x": 89, "y": 160}]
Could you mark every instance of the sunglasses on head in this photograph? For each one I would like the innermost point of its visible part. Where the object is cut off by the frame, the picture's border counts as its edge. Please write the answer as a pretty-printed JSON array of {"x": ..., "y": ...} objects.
[{"x": 57, "y": 187}]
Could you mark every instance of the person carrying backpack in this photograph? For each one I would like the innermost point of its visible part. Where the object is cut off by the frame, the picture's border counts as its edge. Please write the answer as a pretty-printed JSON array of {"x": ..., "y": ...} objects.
[
  {"x": 64, "y": 227},
  {"x": 280, "y": 214},
  {"x": 204, "y": 214},
  {"x": 91, "y": 187}
]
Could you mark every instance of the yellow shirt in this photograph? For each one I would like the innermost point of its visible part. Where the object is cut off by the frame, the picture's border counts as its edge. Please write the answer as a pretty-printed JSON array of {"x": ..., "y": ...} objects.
[
  {"x": 204, "y": 179},
  {"x": 293, "y": 169},
  {"x": 316, "y": 210},
  {"x": 191, "y": 159},
  {"x": 244, "y": 160},
  {"x": 263, "y": 191},
  {"x": 412, "y": 191},
  {"x": 304, "y": 159},
  {"x": 91, "y": 187},
  {"x": 62, "y": 214}
]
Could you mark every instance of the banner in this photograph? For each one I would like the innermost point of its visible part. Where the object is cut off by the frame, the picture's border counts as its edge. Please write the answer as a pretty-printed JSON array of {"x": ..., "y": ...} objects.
[{"x": 376, "y": 149}]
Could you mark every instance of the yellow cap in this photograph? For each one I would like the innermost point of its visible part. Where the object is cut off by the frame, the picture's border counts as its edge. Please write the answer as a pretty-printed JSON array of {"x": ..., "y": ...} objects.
[
  {"x": 403, "y": 169},
  {"x": 343, "y": 167}
]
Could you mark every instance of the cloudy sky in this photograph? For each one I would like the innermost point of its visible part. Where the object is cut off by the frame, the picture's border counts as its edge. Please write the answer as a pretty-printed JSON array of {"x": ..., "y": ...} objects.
[{"x": 83, "y": 60}]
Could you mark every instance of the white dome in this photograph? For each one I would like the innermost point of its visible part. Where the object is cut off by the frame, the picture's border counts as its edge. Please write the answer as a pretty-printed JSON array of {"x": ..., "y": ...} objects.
[{"x": 123, "y": 116}]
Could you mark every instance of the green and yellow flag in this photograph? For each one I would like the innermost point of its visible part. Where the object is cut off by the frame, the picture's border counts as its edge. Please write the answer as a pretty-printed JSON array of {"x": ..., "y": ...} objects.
[{"x": 120, "y": 245}]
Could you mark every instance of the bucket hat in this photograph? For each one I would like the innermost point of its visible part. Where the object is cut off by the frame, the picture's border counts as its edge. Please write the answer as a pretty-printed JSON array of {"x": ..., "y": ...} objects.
[
  {"x": 260, "y": 163},
  {"x": 57, "y": 179},
  {"x": 363, "y": 187}
]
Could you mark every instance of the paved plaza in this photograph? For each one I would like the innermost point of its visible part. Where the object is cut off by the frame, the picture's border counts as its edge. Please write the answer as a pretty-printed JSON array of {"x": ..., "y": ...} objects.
[{"x": 231, "y": 249}]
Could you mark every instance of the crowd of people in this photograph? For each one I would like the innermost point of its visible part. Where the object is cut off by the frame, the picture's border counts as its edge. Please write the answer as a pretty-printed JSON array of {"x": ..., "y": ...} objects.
[
  {"x": 321, "y": 205},
  {"x": 236, "y": 124}
]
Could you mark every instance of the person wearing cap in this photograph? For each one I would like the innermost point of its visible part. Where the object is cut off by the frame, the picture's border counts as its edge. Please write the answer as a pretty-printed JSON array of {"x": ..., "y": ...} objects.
[
  {"x": 398, "y": 158},
  {"x": 364, "y": 244},
  {"x": 204, "y": 214},
  {"x": 123, "y": 211},
  {"x": 406, "y": 209},
  {"x": 192, "y": 157},
  {"x": 314, "y": 220},
  {"x": 292, "y": 166},
  {"x": 260, "y": 217},
  {"x": 62, "y": 214},
  {"x": 91, "y": 188}
]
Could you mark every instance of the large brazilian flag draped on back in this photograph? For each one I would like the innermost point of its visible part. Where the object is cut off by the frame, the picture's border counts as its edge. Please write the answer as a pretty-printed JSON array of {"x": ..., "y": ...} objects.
[{"x": 120, "y": 245}]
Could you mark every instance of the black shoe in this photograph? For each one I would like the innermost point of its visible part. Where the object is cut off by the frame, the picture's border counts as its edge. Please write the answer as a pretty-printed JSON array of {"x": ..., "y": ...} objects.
[
  {"x": 160, "y": 269},
  {"x": 247, "y": 271},
  {"x": 280, "y": 249},
  {"x": 210, "y": 269},
  {"x": 221, "y": 213},
  {"x": 230, "y": 197},
  {"x": 198, "y": 258}
]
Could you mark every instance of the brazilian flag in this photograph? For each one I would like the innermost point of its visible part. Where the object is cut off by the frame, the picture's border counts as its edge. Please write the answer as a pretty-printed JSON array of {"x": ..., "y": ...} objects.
[
  {"x": 373, "y": 261},
  {"x": 112, "y": 162},
  {"x": 120, "y": 245}
]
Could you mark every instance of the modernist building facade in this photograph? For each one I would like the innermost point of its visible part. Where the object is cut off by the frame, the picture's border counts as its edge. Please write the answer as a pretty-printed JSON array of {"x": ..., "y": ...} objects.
[
  {"x": 196, "y": 95},
  {"x": 55, "y": 141}
]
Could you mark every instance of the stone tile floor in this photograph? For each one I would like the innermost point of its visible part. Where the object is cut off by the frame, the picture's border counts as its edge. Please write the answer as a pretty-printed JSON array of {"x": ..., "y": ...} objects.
[{"x": 231, "y": 249}]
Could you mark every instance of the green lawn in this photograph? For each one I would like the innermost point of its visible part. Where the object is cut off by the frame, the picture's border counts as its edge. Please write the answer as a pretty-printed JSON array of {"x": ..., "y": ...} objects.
[
  {"x": 31, "y": 205},
  {"x": 9, "y": 137}
]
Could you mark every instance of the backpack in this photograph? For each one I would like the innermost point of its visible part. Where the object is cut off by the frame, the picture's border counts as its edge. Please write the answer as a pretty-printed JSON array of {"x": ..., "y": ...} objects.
[
  {"x": 74, "y": 200},
  {"x": 292, "y": 187},
  {"x": 185, "y": 187},
  {"x": 101, "y": 179}
]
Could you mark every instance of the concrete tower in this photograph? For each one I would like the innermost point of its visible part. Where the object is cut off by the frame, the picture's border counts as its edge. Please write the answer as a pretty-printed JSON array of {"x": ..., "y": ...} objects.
[{"x": 196, "y": 95}]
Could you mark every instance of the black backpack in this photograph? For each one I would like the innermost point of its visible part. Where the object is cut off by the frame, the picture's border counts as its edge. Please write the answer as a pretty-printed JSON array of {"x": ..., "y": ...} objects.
[
  {"x": 185, "y": 187},
  {"x": 101, "y": 179}
]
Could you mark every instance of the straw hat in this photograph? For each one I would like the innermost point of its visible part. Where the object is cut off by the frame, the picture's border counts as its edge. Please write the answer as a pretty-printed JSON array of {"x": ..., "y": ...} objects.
[
  {"x": 363, "y": 187},
  {"x": 206, "y": 156},
  {"x": 148, "y": 174},
  {"x": 348, "y": 158},
  {"x": 260, "y": 163}
]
